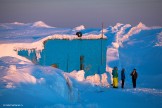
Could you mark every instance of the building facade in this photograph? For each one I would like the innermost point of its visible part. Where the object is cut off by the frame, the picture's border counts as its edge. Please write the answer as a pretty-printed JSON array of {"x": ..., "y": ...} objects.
[{"x": 68, "y": 55}]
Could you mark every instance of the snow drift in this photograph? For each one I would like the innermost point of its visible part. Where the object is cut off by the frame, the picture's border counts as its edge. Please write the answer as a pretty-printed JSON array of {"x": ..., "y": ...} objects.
[
  {"x": 79, "y": 28},
  {"x": 41, "y": 24}
]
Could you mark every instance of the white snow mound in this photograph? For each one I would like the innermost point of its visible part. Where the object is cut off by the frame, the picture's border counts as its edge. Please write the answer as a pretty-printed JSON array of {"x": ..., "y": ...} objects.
[
  {"x": 81, "y": 27},
  {"x": 41, "y": 24}
]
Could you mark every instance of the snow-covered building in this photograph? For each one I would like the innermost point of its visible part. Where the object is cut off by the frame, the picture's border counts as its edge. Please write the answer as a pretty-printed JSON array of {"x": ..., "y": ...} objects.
[{"x": 72, "y": 54}]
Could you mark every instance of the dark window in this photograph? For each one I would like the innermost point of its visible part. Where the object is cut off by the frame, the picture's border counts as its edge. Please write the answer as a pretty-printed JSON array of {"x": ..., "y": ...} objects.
[{"x": 55, "y": 65}]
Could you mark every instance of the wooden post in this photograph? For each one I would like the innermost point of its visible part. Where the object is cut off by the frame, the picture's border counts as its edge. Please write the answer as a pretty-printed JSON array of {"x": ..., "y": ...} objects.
[{"x": 81, "y": 62}]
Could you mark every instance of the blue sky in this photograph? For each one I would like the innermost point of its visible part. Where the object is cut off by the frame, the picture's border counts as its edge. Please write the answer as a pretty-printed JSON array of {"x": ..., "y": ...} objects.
[{"x": 91, "y": 13}]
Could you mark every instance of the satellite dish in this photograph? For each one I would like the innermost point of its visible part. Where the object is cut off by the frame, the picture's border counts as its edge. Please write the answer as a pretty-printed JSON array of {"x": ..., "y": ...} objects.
[{"x": 79, "y": 34}]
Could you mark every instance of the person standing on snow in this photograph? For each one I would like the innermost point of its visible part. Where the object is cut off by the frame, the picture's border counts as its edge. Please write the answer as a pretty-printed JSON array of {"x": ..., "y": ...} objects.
[
  {"x": 115, "y": 77},
  {"x": 134, "y": 77},
  {"x": 123, "y": 77}
]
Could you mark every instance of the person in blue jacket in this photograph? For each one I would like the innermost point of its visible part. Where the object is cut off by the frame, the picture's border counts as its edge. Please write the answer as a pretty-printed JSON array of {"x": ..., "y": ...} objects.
[{"x": 122, "y": 77}]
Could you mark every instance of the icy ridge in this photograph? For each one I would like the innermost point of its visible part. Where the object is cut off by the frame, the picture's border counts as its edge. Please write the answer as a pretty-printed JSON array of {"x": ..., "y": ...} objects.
[{"x": 120, "y": 37}]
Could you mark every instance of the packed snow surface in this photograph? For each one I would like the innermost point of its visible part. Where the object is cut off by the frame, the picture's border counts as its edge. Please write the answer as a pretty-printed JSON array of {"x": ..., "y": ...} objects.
[{"x": 25, "y": 84}]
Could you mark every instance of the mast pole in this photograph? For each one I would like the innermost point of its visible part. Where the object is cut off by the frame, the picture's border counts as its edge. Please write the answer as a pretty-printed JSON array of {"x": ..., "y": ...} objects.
[{"x": 101, "y": 45}]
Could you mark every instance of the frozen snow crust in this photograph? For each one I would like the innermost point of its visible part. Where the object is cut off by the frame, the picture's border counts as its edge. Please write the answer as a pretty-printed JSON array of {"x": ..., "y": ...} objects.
[{"x": 28, "y": 85}]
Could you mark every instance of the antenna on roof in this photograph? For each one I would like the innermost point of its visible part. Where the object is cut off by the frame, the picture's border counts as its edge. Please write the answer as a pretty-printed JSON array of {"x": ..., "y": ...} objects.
[
  {"x": 101, "y": 45},
  {"x": 102, "y": 31}
]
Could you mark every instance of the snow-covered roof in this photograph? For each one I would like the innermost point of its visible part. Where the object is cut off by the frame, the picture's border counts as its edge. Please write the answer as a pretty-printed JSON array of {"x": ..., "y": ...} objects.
[{"x": 38, "y": 46}]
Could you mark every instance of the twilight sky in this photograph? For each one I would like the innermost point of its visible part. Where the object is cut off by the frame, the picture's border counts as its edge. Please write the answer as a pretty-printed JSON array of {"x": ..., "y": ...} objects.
[{"x": 91, "y": 13}]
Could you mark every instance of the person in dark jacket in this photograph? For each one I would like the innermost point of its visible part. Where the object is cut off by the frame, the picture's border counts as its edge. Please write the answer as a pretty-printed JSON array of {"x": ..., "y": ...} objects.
[
  {"x": 123, "y": 77},
  {"x": 134, "y": 77}
]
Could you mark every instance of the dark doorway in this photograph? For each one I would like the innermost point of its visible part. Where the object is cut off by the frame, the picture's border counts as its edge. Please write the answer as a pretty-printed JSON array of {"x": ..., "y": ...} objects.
[{"x": 81, "y": 62}]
